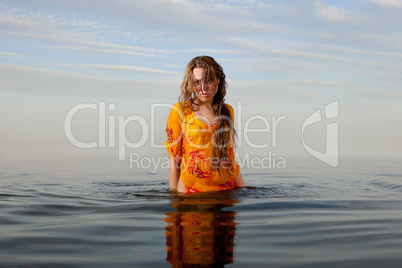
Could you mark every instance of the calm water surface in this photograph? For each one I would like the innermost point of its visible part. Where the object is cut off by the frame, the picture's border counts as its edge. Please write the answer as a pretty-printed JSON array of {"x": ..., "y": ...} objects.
[{"x": 307, "y": 215}]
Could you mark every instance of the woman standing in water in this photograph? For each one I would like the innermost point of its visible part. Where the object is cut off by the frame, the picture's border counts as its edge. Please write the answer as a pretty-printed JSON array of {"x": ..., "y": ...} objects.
[{"x": 200, "y": 133}]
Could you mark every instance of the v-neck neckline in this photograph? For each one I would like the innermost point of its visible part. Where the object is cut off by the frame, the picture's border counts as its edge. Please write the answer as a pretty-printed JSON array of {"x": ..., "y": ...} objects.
[{"x": 214, "y": 125}]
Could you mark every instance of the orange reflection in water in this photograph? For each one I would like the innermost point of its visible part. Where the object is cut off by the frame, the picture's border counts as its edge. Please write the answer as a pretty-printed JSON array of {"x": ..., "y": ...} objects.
[{"x": 199, "y": 232}]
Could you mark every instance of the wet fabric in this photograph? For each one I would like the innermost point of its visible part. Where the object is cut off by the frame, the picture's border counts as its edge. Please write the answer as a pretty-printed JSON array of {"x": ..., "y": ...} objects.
[{"x": 190, "y": 143}]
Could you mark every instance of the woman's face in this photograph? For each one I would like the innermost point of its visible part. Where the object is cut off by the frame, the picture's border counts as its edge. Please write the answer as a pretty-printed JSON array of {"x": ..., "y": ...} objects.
[{"x": 204, "y": 89}]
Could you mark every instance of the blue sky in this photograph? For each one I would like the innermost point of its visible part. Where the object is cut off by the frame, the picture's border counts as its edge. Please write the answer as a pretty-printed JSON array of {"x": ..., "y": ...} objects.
[{"x": 280, "y": 57}]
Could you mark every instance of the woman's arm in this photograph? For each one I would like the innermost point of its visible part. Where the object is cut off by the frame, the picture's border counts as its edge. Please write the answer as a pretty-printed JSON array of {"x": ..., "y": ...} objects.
[
  {"x": 174, "y": 173},
  {"x": 239, "y": 180}
]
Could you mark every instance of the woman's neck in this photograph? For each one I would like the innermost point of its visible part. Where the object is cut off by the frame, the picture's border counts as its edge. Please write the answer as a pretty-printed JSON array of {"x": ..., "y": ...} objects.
[{"x": 207, "y": 105}]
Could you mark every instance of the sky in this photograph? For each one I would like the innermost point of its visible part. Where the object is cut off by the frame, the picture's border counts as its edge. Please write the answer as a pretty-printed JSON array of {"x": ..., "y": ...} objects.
[{"x": 282, "y": 59}]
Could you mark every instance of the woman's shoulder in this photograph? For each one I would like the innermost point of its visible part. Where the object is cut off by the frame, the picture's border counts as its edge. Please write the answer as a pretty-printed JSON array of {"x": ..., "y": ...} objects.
[
  {"x": 231, "y": 111},
  {"x": 229, "y": 106},
  {"x": 182, "y": 109},
  {"x": 182, "y": 105},
  {"x": 179, "y": 106}
]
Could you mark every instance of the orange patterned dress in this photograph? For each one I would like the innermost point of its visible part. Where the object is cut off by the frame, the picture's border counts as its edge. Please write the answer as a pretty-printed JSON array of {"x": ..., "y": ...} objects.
[{"x": 190, "y": 143}]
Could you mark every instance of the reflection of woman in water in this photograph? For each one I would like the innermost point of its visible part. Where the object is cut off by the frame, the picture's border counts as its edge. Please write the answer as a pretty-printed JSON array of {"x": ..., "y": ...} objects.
[
  {"x": 199, "y": 232},
  {"x": 200, "y": 132}
]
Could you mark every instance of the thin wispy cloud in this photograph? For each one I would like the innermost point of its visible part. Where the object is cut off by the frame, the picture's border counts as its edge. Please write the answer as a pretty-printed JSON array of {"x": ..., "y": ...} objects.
[
  {"x": 9, "y": 54},
  {"x": 50, "y": 72},
  {"x": 392, "y": 3},
  {"x": 65, "y": 83},
  {"x": 331, "y": 13},
  {"x": 388, "y": 96},
  {"x": 107, "y": 51},
  {"x": 213, "y": 51},
  {"x": 126, "y": 68},
  {"x": 265, "y": 48},
  {"x": 43, "y": 71},
  {"x": 351, "y": 50}
]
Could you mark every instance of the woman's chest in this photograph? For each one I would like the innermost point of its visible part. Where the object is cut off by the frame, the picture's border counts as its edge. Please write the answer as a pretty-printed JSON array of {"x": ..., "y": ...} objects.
[
  {"x": 197, "y": 134},
  {"x": 207, "y": 117}
]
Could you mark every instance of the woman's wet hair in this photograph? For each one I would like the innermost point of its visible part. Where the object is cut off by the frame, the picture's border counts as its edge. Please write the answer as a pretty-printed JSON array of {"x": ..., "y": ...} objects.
[{"x": 213, "y": 72}]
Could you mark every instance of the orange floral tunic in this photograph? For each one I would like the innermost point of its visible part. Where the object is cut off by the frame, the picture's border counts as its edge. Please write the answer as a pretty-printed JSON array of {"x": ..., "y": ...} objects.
[{"x": 190, "y": 143}]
